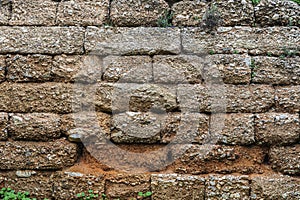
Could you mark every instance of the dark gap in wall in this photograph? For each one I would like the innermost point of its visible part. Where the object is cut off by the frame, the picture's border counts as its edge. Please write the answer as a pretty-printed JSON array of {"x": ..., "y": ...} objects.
[
  {"x": 266, "y": 160},
  {"x": 172, "y": 2}
]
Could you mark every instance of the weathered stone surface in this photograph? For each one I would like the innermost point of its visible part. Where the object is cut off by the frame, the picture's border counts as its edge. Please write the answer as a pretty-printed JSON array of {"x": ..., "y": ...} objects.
[
  {"x": 132, "y": 41},
  {"x": 132, "y": 69},
  {"x": 275, "y": 187},
  {"x": 286, "y": 159},
  {"x": 277, "y": 12},
  {"x": 287, "y": 99},
  {"x": 127, "y": 186},
  {"x": 174, "y": 186},
  {"x": 232, "y": 98},
  {"x": 209, "y": 158},
  {"x": 135, "y": 97},
  {"x": 66, "y": 185},
  {"x": 242, "y": 40},
  {"x": 277, "y": 128},
  {"x": 227, "y": 187},
  {"x": 34, "y": 126},
  {"x": 49, "y": 40},
  {"x": 178, "y": 69},
  {"x": 2, "y": 68},
  {"x": 272, "y": 70},
  {"x": 3, "y": 125},
  {"x": 39, "y": 12},
  {"x": 5, "y": 12},
  {"x": 232, "y": 69},
  {"x": 238, "y": 129},
  {"x": 133, "y": 13},
  {"x": 35, "y": 97},
  {"x": 37, "y": 155},
  {"x": 84, "y": 13}
]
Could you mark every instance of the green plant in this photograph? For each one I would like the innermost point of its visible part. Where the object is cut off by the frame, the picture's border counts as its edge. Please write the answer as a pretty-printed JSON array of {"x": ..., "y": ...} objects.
[
  {"x": 90, "y": 195},
  {"x": 297, "y": 1},
  {"x": 269, "y": 54},
  {"x": 212, "y": 18},
  {"x": 211, "y": 52},
  {"x": 255, "y": 2},
  {"x": 253, "y": 68},
  {"x": 144, "y": 195},
  {"x": 288, "y": 52},
  {"x": 235, "y": 51},
  {"x": 166, "y": 19},
  {"x": 10, "y": 194}
]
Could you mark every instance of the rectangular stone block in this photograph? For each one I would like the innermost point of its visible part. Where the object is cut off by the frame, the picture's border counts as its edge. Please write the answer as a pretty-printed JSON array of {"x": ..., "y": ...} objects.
[
  {"x": 209, "y": 158},
  {"x": 277, "y": 71},
  {"x": 285, "y": 159},
  {"x": 130, "y": 69},
  {"x": 34, "y": 126},
  {"x": 2, "y": 68},
  {"x": 44, "y": 40},
  {"x": 175, "y": 186},
  {"x": 5, "y": 12},
  {"x": 3, "y": 126},
  {"x": 132, "y": 41},
  {"x": 275, "y": 187},
  {"x": 37, "y": 155},
  {"x": 36, "y": 97},
  {"x": 227, "y": 187},
  {"x": 38, "y": 12},
  {"x": 241, "y": 40},
  {"x": 277, "y": 128},
  {"x": 133, "y": 13},
  {"x": 225, "y": 98},
  {"x": 84, "y": 13},
  {"x": 287, "y": 99}
]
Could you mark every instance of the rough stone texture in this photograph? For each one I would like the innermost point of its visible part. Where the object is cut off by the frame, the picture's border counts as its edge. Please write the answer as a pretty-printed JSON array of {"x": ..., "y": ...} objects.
[
  {"x": 37, "y": 155},
  {"x": 277, "y": 128},
  {"x": 177, "y": 69},
  {"x": 3, "y": 126},
  {"x": 34, "y": 126},
  {"x": 38, "y": 12},
  {"x": 209, "y": 158},
  {"x": 133, "y": 13},
  {"x": 275, "y": 187},
  {"x": 174, "y": 186},
  {"x": 277, "y": 12},
  {"x": 84, "y": 13},
  {"x": 48, "y": 40},
  {"x": 227, "y": 187},
  {"x": 272, "y": 70},
  {"x": 132, "y": 41},
  {"x": 135, "y": 97},
  {"x": 286, "y": 159},
  {"x": 2, "y": 68},
  {"x": 287, "y": 99},
  {"x": 35, "y": 97},
  {"x": 256, "y": 41},
  {"x": 5, "y": 14},
  {"x": 233, "y": 69},
  {"x": 232, "y": 98},
  {"x": 67, "y": 184},
  {"x": 130, "y": 69},
  {"x": 238, "y": 129},
  {"x": 127, "y": 186}
]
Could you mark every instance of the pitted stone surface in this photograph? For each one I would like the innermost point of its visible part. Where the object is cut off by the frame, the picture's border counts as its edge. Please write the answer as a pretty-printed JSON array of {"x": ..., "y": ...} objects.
[
  {"x": 287, "y": 98},
  {"x": 3, "y": 68},
  {"x": 5, "y": 13},
  {"x": 3, "y": 126}
]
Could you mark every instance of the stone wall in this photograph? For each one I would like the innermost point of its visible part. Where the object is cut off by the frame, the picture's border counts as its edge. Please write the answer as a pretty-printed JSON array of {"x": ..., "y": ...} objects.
[{"x": 95, "y": 95}]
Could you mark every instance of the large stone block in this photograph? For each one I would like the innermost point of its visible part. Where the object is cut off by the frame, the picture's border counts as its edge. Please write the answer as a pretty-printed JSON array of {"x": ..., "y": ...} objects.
[
  {"x": 5, "y": 13},
  {"x": 34, "y": 126},
  {"x": 277, "y": 71},
  {"x": 285, "y": 159},
  {"x": 84, "y": 13},
  {"x": 37, "y": 155},
  {"x": 275, "y": 187},
  {"x": 287, "y": 99},
  {"x": 35, "y": 39},
  {"x": 3, "y": 68},
  {"x": 39, "y": 12},
  {"x": 138, "y": 13},
  {"x": 277, "y": 128},
  {"x": 227, "y": 187},
  {"x": 130, "y": 69},
  {"x": 3, "y": 126},
  {"x": 242, "y": 40},
  {"x": 174, "y": 186},
  {"x": 277, "y": 13},
  {"x": 132, "y": 41}
]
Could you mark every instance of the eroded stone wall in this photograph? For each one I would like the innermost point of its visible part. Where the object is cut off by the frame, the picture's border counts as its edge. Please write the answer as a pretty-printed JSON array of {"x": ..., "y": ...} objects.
[{"x": 53, "y": 52}]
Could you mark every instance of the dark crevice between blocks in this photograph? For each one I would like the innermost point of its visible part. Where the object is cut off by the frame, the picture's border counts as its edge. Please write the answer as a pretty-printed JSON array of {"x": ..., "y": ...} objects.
[{"x": 172, "y": 2}]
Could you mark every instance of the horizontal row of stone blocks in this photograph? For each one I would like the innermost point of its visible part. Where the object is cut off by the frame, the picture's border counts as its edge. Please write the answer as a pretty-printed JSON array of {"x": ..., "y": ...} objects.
[
  {"x": 65, "y": 185},
  {"x": 148, "y": 41},
  {"x": 147, "y": 13},
  {"x": 110, "y": 97},
  {"x": 161, "y": 69}
]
